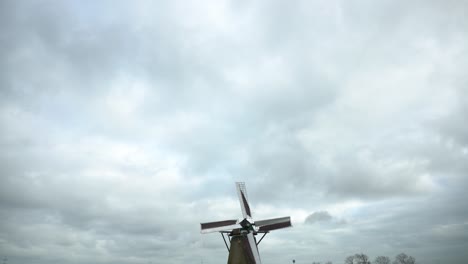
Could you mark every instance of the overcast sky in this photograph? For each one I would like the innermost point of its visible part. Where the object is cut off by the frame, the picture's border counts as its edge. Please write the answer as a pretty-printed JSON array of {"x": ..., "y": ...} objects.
[{"x": 124, "y": 124}]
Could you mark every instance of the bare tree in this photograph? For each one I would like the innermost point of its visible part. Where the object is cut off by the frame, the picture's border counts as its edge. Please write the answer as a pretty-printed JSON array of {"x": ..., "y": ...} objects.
[
  {"x": 382, "y": 260},
  {"x": 402, "y": 258},
  {"x": 328, "y": 262},
  {"x": 349, "y": 260},
  {"x": 361, "y": 259}
]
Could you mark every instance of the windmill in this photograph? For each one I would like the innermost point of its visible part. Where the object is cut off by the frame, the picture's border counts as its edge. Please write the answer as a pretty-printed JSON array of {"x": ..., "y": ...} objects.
[{"x": 241, "y": 233}]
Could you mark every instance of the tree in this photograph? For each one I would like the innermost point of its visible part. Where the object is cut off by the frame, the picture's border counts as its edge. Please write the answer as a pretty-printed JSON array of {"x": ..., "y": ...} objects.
[
  {"x": 328, "y": 262},
  {"x": 402, "y": 258},
  {"x": 349, "y": 260},
  {"x": 382, "y": 260},
  {"x": 361, "y": 259}
]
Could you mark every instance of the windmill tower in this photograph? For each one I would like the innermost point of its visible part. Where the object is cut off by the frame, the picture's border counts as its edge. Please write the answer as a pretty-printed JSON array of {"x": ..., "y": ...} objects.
[{"x": 241, "y": 233}]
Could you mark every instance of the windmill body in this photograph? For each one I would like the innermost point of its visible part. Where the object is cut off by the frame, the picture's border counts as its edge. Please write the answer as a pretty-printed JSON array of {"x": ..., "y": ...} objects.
[{"x": 241, "y": 233}]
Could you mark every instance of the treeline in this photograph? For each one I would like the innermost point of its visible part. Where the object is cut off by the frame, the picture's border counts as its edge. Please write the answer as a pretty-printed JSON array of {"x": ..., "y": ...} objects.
[{"x": 401, "y": 258}]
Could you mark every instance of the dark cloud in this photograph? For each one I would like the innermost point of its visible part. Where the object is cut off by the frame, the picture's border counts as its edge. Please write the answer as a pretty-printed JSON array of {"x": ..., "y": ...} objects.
[
  {"x": 321, "y": 216},
  {"x": 325, "y": 221}
]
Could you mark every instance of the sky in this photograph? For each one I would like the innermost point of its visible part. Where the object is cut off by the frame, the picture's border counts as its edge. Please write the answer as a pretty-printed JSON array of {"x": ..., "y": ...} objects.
[{"x": 125, "y": 124}]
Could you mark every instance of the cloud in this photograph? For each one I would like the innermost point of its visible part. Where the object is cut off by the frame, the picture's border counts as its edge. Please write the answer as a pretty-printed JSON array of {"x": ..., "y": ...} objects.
[
  {"x": 321, "y": 216},
  {"x": 325, "y": 220},
  {"x": 125, "y": 125}
]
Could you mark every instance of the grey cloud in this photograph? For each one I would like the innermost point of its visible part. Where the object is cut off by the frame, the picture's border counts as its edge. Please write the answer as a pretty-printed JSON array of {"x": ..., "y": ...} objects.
[
  {"x": 320, "y": 216},
  {"x": 453, "y": 128},
  {"x": 324, "y": 219}
]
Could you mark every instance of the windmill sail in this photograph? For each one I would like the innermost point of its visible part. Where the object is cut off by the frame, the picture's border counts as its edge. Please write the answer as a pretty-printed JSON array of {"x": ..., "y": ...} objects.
[
  {"x": 219, "y": 226},
  {"x": 242, "y": 193},
  {"x": 253, "y": 248},
  {"x": 273, "y": 224}
]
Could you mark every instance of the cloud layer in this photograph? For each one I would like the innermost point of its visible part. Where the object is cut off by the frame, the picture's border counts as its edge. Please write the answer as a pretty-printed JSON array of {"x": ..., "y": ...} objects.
[{"x": 124, "y": 125}]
